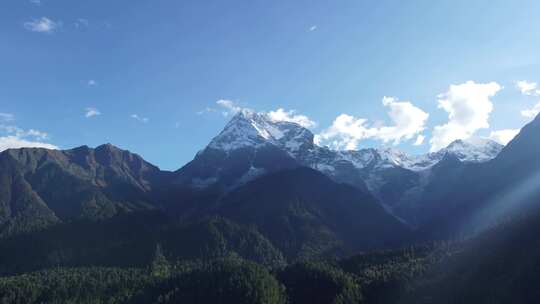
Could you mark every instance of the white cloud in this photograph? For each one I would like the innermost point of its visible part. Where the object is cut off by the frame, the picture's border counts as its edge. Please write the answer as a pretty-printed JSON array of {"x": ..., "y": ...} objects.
[
  {"x": 14, "y": 137},
  {"x": 229, "y": 106},
  {"x": 91, "y": 112},
  {"x": 528, "y": 88},
  {"x": 139, "y": 118},
  {"x": 92, "y": 83},
  {"x": 13, "y": 142},
  {"x": 419, "y": 140},
  {"x": 407, "y": 119},
  {"x": 21, "y": 133},
  {"x": 532, "y": 112},
  {"x": 313, "y": 28},
  {"x": 35, "y": 2},
  {"x": 5, "y": 117},
  {"x": 468, "y": 106},
  {"x": 503, "y": 136},
  {"x": 42, "y": 25},
  {"x": 37, "y": 134},
  {"x": 291, "y": 116},
  {"x": 347, "y": 131}
]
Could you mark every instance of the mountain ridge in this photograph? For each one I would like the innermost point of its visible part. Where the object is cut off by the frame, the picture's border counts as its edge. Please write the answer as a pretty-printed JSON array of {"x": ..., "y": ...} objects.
[
  {"x": 253, "y": 144},
  {"x": 68, "y": 184}
]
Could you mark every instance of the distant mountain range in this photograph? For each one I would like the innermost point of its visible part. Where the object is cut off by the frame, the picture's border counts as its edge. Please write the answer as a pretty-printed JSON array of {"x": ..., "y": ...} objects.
[
  {"x": 252, "y": 144},
  {"x": 306, "y": 199},
  {"x": 459, "y": 225}
]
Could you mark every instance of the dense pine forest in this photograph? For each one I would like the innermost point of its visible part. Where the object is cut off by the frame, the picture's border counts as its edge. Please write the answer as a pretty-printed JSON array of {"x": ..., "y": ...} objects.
[
  {"x": 382, "y": 277},
  {"x": 217, "y": 261}
]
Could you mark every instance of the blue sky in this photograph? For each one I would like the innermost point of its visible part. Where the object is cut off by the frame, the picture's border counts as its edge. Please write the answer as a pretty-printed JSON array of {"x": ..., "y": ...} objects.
[{"x": 144, "y": 72}]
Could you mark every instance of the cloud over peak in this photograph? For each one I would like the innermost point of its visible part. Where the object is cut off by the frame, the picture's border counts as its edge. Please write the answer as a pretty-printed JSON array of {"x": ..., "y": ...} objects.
[
  {"x": 468, "y": 106},
  {"x": 346, "y": 132},
  {"x": 503, "y": 136},
  {"x": 14, "y": 142},
  {"x": 407, "y": 120},
  {"x": 230, "y": 108},
  {"x": 291, "y": 116}
]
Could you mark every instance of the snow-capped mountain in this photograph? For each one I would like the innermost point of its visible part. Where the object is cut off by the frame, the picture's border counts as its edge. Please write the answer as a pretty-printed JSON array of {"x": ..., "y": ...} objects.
[
  {"x": 249, "y": 146},
  {"x": 251, "y": 129},
  {"x": 253, "y": 144}
]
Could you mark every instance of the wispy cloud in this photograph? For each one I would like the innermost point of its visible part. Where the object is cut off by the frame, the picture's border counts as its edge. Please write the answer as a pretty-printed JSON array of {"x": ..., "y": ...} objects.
[
  {"x": 18, "y": 132},
  {"x": 43, "y": 25},
  {"x": 5, "y": 117},
  {"x": 12, "y": 137},
  {"x": 206, "y": 110},
  {"x": 139, "y": 118},
  {"x": 528, "y": 88},
  {"x": 91, "y": 112},
  {"x": 37, "y": 134},
  {"x": 92, "y": 83},
  {"x": 230, "y": 107},
  {"x": 531, "y": 112},
  {"x": 313, "y": 28},
  {"x": 35, "y": 2},
  {"x": 81, "y": 23}
]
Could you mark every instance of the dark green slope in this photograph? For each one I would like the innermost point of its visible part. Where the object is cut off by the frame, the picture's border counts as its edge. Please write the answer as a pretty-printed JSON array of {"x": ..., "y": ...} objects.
[
  {"x": 300, "y": 210},
  {"x": 130, "y": 241},
  {"x": 224, "y": 280},
  {"x": 501, "y": 265},
  {"x": 39, "y": 187},
  {"x": 305, "y": 214}
]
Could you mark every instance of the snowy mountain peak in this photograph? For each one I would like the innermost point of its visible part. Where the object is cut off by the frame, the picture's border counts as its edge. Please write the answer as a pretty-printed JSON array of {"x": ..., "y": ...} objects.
[
  {"x": 473, "y": 150},
  {"x": 251, "y": 129}
]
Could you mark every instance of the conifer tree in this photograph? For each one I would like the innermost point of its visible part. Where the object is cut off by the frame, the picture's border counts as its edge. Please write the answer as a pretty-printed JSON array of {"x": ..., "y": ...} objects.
[{"x": 160, "y": 266}]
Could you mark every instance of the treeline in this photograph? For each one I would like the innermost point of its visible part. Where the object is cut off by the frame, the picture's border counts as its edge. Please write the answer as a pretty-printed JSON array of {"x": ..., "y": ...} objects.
[
  {"x": 129, "y": 241},
  {"x": 380, "y": 277}
]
